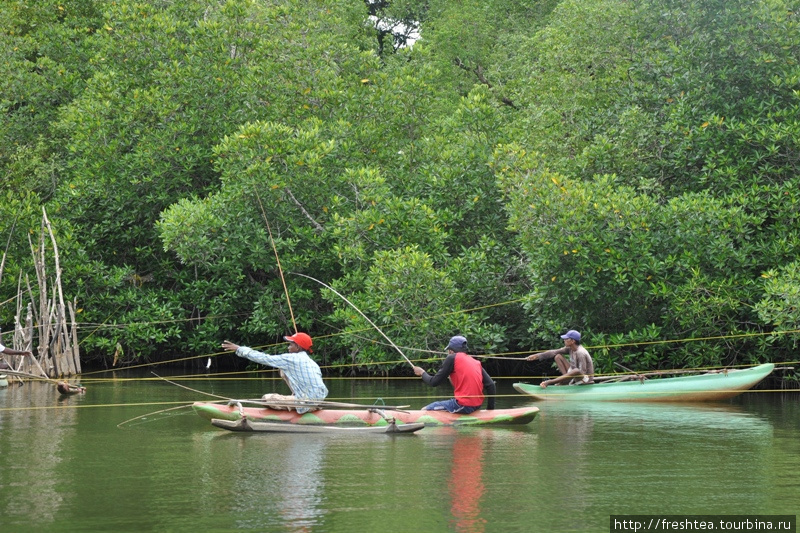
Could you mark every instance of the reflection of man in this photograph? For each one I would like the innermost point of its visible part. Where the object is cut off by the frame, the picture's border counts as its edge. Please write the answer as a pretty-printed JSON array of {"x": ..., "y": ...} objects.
[
  {"x": 580, "y": 367},
  {"x": 466, "y": 484}
]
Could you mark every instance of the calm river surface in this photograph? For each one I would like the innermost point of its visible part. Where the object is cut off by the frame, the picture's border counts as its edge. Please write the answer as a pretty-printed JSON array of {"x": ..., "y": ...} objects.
[{"x": 66, "y": 465}]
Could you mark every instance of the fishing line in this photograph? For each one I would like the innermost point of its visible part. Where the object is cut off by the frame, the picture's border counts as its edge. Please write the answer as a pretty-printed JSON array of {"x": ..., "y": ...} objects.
[
  {"x": 360, "y": 313},
  {"x": 153, "y": 413},
  {"x": 191, "y": 389},
  {"x": 280, "y": 269},
  {"x": 375, "y": 341}
]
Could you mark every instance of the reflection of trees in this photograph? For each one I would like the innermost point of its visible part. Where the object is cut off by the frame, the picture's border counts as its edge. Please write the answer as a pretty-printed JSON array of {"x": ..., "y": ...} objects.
[
  {"x": 564, "y": 463},
  {"x": 280, "y": 487},
  {"x": 32, "y": 471},
  {"x": 466, "y": 484}
]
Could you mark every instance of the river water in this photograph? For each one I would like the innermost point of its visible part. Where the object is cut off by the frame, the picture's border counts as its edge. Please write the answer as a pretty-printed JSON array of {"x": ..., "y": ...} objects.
[{"x": 80, "y": 464}]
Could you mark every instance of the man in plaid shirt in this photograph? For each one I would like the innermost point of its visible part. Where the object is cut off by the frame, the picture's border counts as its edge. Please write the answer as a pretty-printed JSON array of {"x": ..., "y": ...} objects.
[{"x": 298, "y": 370}]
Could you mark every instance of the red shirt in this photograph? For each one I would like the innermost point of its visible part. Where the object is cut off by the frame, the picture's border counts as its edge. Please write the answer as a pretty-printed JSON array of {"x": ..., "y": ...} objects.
[{"x": 467, "y": 379}]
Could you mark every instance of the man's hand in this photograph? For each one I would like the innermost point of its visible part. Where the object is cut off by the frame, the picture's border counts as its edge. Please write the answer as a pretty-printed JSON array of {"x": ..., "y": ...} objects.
[
  {"x": 418, "y": 371},
  {"x": 532, "y": 357},
  {"x": 228, "y": 345}
]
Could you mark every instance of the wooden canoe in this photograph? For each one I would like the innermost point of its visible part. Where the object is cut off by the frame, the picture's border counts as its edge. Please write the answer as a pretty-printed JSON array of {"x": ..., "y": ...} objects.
[
  {"x": 365, "y": 417},
  {"x": 245, "y": 425},
  {"x": 695, "y": 388}
]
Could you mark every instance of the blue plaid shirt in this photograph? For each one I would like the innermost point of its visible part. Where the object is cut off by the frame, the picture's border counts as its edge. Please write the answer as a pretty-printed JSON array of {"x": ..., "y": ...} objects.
[{"x": 303, "y": 373}]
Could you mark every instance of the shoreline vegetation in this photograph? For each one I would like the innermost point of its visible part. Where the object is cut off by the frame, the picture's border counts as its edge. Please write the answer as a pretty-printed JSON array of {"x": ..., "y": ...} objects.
[{"x": 500, "y": 170}]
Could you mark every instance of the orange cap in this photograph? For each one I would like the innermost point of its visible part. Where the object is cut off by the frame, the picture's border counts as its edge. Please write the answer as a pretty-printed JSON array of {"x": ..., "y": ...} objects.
[{"x": 300, "y": 339}]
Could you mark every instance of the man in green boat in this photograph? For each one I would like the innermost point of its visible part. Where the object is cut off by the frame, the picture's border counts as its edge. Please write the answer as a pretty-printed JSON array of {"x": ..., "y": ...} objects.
[
  {"x": 578, "y": 370},
  {"x": 468, "y": 377},
  {"x": 298, "y": 370}
]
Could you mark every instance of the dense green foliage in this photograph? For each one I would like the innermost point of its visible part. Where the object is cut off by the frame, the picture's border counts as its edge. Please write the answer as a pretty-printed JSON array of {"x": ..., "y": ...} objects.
[{"x": 626, "y": 169}]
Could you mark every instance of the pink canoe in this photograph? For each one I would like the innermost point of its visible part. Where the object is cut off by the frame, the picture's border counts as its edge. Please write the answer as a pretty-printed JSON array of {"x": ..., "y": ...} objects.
[{"x": 365, "y": 417}]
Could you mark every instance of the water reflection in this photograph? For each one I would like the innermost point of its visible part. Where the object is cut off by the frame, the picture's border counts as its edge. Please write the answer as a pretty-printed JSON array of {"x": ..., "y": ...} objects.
[
  {"x": 711, "y": 417},
  {"x": 67, "y": 466},
  {"x": 466, "y": 484},
  {"x": 674, "y": 454},
  {"x": 35, "y": 452},
  {"x": 278, "y": 480}
]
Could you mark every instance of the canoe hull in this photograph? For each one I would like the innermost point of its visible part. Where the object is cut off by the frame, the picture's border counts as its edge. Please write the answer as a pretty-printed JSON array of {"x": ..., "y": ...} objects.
[
  {"x": 366, "y": 417},
  {"x": 695, "y": 388},
  {"x": 245, "y": 425}
]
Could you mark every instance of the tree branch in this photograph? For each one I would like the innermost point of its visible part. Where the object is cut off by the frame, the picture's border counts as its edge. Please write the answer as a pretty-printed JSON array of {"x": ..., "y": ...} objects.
[
  {"x": 317, "y": 226},
  {"x": 478, "y": 71}
]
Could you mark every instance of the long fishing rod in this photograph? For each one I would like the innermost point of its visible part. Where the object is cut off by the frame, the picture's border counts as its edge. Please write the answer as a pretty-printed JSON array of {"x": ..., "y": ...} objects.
[
  {"x": 189, "y": 388},
  {"x": 274, "y": 249},
  {"x": 359, "y": 312}
]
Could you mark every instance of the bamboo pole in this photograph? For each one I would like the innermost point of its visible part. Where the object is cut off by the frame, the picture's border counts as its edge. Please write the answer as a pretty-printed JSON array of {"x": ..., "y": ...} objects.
[
  {"x": 63, "y": 347},
  {"x": 75, "y": 347},
  {"x": 58, "y": 353},
  {"x": 43, "y": 304}
]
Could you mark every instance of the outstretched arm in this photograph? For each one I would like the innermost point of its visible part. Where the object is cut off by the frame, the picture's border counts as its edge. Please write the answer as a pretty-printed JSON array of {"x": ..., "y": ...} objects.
[
  {"x": 549, "y": 354},
  {"x": 444, "y": 372},
  {"x": 11, "y": 351}
]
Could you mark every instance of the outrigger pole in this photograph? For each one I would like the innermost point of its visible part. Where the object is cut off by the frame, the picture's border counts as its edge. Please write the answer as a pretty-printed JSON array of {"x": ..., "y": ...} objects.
[
  {"x": 319, "y": 404},
  {"x": 359, "y": 312}
]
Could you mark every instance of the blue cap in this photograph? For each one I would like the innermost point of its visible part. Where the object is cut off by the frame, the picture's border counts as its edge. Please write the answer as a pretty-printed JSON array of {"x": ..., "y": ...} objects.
[
  {"x": 458, "y": 344},
  {"x": 572, "y": 334}
]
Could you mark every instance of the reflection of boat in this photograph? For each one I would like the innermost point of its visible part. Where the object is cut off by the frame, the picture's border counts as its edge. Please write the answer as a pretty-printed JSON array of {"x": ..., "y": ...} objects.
[
  {"x": 365, "y": 417},
  {"x": 245, "y": 425},
  {"x": 3, "y": 380},
  {"x": 703, "y": 387},
  {"x": 711, "y": 417},
  {"x": 663, "y": 414}
]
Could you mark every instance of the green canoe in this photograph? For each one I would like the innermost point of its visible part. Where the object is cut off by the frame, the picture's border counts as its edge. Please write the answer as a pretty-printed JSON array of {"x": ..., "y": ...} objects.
[{"x": 711, "y": 386}]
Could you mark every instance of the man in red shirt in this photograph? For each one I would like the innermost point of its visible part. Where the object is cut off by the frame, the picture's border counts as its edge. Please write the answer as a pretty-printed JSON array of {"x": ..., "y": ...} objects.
[{"x": 468, "y": 377}]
